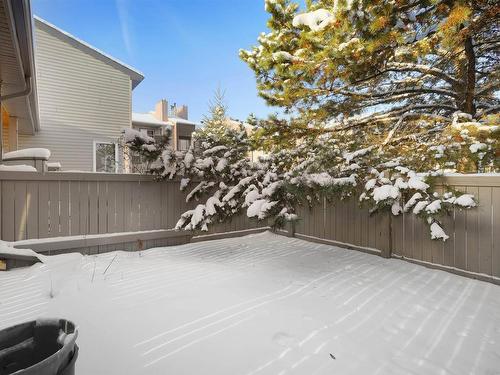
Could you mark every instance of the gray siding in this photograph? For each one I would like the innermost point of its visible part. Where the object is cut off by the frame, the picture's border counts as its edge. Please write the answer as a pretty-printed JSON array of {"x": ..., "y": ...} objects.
[{"x": 82, "y": 100}]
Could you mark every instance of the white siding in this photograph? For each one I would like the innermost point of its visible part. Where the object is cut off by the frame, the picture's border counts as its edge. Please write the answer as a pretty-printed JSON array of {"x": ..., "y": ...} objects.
[{"x": 81, "y": 100}]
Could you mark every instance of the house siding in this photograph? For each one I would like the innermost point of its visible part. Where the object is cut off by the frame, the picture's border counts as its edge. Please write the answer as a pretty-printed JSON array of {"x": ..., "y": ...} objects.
[{"x": 81, "y": 100}]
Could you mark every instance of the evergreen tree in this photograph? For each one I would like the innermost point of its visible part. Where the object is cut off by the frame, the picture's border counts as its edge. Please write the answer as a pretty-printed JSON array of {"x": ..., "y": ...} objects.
[{"x": 405, "y": 75}]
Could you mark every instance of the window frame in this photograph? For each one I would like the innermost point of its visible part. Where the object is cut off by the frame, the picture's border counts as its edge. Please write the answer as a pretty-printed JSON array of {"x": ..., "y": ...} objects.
[
  {"x": 184, "y": 138},
  {"x": 95, "y": 142},
  {"x": 147, "y": 130}
]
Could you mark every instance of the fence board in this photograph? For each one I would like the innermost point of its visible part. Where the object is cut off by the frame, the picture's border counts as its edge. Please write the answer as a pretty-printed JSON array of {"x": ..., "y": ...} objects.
[
  {"x": 407, "y": 235},
  {"x": 145, "y": 196},
  {"x": 135, "y": 208},
  {"x": 54, "y": 211},
  {"x": 43, "y": 209},
  {"x": 339, "y": 220},
  {"x": 485, "y": 230},
  {"x": 157, "y": 191},
  {"x": 299, "y": 226},
  {"x": 397, "y": 234},
  {"x": 169, "y": 204},
  {"x": 20, "y": 214},
  {"x": 350, "y": 218},
  {"x": 102, "y": 204},
  {"x": 119, "y": 205},
  {"x": 372, "y": 233},
  {"x": 329, "y": 222},
  {"x": 319, "y": 225},
  {"x": 111, "y": 211},
  {"x": 84, "y": 201},
  {"x": 32, "y": 209},
  {"x": 449, "y": 245},
  {"x": 472, "y": 219},
  {"x": 495, "y": 232},
  {"x": 163, "y": 204},
  {"x": 74, "y": 208},
  {"x": 64, "y": 208},
  {"x": 93, "y": 207},
  {"x": 364, "y": 227},
  {"x": 127, "y": 207}
]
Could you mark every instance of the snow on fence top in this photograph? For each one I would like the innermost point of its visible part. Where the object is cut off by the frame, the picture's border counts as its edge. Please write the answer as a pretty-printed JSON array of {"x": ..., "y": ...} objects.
[
  {"x": 17, "y": 168},
  {"x": 6, "y": 248},
  {"x": 28, "y": 153}
]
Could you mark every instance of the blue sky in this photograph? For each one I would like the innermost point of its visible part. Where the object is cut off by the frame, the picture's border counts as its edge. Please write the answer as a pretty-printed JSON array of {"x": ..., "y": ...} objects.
[{"x": 184, "y": 48}]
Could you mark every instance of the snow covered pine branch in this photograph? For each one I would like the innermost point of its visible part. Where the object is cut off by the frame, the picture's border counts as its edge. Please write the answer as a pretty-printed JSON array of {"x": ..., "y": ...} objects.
[
  {"x": 225, "y": 182},
  {"x": 382, "y": 97}
]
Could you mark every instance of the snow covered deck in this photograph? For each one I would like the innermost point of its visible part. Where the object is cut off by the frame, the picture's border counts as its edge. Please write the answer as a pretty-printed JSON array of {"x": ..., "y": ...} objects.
[{"x": 261, "y": 304}]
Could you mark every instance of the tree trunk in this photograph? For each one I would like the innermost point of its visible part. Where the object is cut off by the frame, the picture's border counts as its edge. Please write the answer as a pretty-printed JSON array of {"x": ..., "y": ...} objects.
[{"x": 470, "y": 79}]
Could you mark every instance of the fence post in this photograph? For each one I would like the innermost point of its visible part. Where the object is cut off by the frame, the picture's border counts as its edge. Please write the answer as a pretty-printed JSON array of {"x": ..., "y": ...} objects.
[
  {"x": 291, "y": 228},
  {"x": 386, "y": 249}
]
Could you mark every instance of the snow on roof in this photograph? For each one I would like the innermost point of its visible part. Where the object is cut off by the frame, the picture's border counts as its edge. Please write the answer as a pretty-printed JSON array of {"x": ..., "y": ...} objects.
[
  {"x": 148, "y": 118},
  {"x": 28, "y": 153},
  {"x": 181, "y": 120},
  {"x": 134, "y": 74}
]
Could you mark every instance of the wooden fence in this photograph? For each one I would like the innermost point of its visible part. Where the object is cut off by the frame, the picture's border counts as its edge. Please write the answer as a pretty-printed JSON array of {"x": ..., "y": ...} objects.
[
  {"x": 473, "y": 246},
  {"x": 60, "y": 204}
]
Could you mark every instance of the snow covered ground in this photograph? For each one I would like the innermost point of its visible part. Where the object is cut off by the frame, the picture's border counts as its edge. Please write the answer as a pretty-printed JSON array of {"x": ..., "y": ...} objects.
[{"x": 261, "y": 304}]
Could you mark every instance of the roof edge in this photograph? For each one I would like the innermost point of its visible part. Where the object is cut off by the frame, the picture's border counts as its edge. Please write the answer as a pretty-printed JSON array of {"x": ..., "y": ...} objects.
[{"x": 135, "y": 75}]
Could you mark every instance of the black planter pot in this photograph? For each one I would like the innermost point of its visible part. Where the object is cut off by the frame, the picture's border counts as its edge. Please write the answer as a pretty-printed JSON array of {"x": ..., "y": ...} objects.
[{"x": 41, "y": 347}]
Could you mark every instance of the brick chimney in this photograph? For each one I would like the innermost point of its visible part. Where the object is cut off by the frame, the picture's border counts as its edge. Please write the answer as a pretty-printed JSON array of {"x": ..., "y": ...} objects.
[
  {"x": 182, "y": 112},
  {"x": 161, "y": 110}
]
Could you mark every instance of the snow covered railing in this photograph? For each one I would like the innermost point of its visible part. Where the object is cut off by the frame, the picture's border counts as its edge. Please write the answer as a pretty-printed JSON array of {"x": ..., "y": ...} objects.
[
  {"x": 35, "y": 158},
  {"x": 473, "y": 247},
  {"x": 100, "y": 243}
]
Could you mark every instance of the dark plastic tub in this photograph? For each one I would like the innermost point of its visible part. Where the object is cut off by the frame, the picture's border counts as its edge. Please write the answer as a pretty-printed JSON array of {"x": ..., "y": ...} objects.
[{"x": 41, "y": 347}]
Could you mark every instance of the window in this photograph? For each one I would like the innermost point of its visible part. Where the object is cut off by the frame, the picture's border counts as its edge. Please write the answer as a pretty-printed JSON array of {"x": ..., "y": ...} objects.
[
  {"x": 184, "y": 143},
  {"x": 105, "y": 157},
  {"x": 148, "y": 132}
]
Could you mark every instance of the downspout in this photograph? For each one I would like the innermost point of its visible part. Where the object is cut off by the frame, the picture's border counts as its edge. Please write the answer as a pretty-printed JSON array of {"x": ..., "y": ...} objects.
[
  {"x": 1, "y": 125},
  {"x": 27, "y": 91}
]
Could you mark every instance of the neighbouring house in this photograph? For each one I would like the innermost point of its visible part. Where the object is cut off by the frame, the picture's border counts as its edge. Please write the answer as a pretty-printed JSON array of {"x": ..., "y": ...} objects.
[
  {"x": 76, "y": 104},
  {"x": 164, "y": 119},
  {"x": 85, "y": 101}
]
